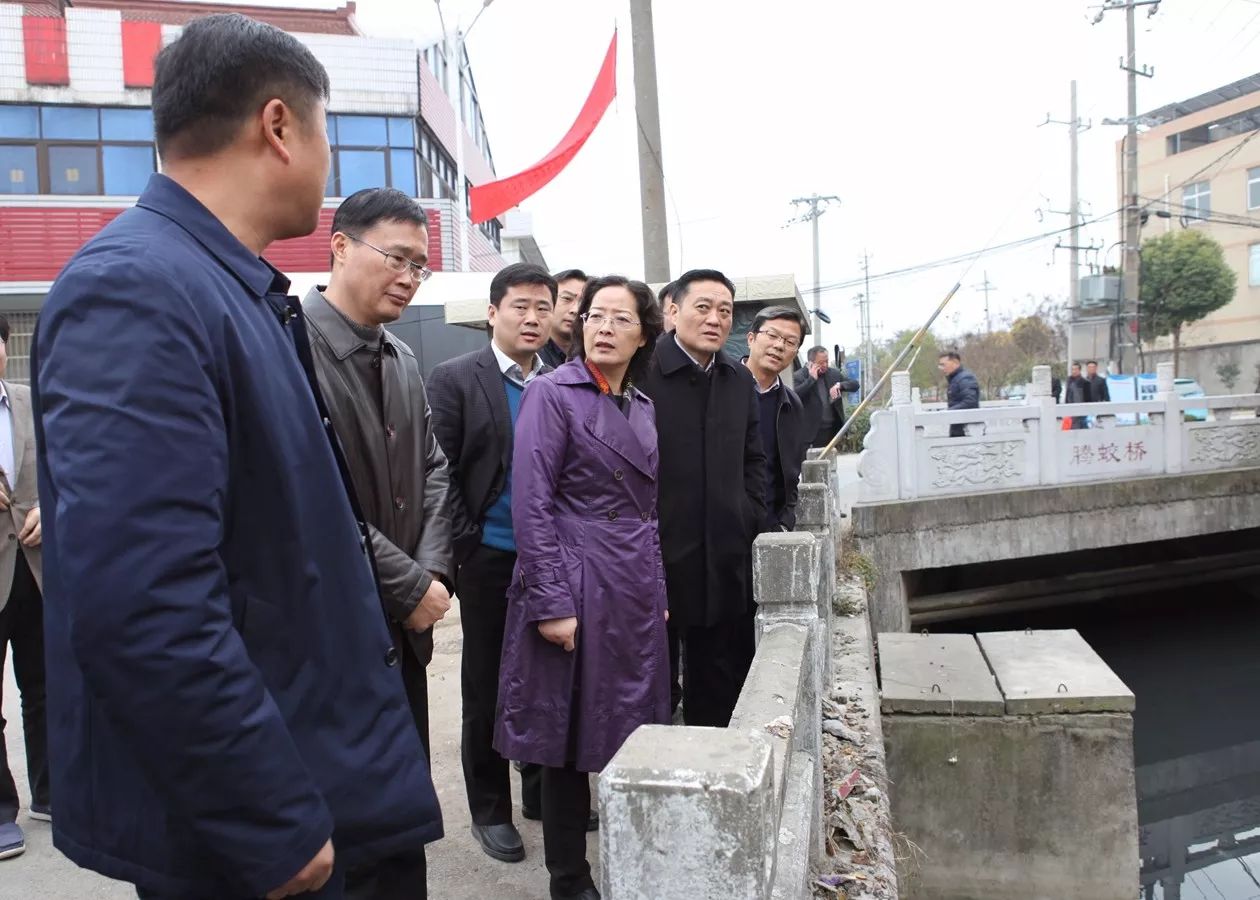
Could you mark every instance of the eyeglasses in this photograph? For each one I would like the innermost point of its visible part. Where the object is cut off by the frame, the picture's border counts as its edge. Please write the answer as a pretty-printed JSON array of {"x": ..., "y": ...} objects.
[
  {"x": 620, "y": 321},
  {"x": 789, "y": 343},
  {"x": 396, "y": 263}
]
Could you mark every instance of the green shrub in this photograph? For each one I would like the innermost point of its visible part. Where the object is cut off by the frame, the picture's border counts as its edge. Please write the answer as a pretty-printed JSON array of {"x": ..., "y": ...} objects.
[{"x": 852, "y": 440}]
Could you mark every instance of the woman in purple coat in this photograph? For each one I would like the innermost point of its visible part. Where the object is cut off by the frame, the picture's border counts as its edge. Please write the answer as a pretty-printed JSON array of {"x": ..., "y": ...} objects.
[{"x": 585, "y": 658}]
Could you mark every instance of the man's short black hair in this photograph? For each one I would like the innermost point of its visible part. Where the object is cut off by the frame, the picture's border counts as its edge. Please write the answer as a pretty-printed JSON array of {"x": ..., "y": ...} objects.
[
  {"x": 365, "y": 209},
  {"x": 687, "y": 279},
  {"x": 4, "y": 328},
  {"x": 950, "y": 354},
  {"x": 814, "y": 351},
  {"x": 570, "y": 275},
  {"x": 1092, "y": 362},
  {"x": 667, "y": 293},
  {"x": 518, "y": 274},
  {"x": 221, "y": 70},
  {"x": 776, "y": 313}
]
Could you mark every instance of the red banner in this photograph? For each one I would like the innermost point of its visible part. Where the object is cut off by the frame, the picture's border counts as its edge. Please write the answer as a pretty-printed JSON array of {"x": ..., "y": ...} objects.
[{"x": 497, "y": 197}]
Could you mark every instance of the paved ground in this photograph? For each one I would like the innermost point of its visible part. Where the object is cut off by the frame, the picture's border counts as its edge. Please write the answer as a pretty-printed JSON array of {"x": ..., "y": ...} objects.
[{"x": 458, "y": 870}]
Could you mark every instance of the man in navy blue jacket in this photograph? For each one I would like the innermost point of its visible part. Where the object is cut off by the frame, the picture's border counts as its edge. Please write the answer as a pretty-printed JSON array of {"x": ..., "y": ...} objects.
[{"x": 226, "y": 715}]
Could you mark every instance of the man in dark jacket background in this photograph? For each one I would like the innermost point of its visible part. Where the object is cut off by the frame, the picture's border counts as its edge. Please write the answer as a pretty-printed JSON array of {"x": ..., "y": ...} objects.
[
  {"x": 223, "y": 693},
  {"x": 1077, "y": 391},
  {"x": 380, "y": 411},
  {"x": 964, "y": 390},
  {"x": 712, "y": 495},
  {"x": 1096, "y": 390},
  {"x": 569, "y": 286},
  {"x": 773, "y": 340},
  {"x": 475, "y": 400},
  {"x": 821, "y": 389}
]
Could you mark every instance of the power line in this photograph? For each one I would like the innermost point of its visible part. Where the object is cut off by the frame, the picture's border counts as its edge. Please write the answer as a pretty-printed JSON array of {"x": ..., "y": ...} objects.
[{"x": 962, "y": 257}]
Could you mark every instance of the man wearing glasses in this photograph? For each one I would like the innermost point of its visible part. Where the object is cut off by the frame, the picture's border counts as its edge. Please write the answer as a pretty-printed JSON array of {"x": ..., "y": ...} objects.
[
  {"x": 377, "y": 403},
  {"x": 773, "y": 341},
  {"x": 476, "y": 398}
]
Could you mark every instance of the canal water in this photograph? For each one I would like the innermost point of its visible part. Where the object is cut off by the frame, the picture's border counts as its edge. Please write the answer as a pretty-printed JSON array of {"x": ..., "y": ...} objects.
[{"x": 1192, "y": 658}]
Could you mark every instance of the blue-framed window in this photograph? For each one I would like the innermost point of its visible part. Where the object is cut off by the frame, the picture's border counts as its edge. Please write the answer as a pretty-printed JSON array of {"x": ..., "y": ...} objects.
[
  {"x": 75, "y": 150},
  {"x": 371, "y": 151}
]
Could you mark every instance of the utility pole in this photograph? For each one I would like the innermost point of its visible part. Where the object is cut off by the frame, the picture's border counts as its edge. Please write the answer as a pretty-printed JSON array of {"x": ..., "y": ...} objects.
[
  {"x": 817, "y": 206},
  {"x": 986, "y": 286},
  {"x": 651, "y": 165},
  {"x": 1132, "y": 211},
  {"x": 864, "y": 306},
  {"x": 1075, "y": 127}
]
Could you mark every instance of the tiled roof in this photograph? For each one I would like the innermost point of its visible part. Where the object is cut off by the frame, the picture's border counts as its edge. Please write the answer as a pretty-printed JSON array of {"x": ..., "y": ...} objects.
[
  {"x": 181, "y": 12},
  {"x": 48, "y": 9}
]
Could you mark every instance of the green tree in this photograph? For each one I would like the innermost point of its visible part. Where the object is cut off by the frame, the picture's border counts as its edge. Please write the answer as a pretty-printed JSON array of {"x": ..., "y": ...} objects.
[
  {"x": 1184, "y": 277},
  {"x": 1228, "y": 374},
  {"x": 923, "y": 374}
]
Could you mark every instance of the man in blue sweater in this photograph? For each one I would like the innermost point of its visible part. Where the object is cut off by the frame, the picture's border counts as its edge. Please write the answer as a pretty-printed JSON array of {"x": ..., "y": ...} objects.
[{"x": 475, "y": 400}]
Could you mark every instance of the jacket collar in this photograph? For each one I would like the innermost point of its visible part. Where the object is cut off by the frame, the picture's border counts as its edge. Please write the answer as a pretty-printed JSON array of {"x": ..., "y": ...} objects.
[
  {"x": 672, "y": 358},
  {"x": 341, "y": 338},
  {"x": 167, "y": 198},
  {"x": 632, "y": 438}
]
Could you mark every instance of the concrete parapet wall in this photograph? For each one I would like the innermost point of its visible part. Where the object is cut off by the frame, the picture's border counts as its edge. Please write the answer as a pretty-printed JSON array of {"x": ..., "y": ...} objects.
[
  {"x": 1010, "y": 759},
  {"x": 739, "y": 808},
  {"x": 904, "y": 536}
]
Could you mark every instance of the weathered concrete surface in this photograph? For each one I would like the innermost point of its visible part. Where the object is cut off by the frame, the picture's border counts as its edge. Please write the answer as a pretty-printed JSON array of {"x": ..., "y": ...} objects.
[
  {"x": 795, "y": 850},
  {"x": 901, "y": 537},
  {"x": 936, "y": 673},
  {"x": 855, "y": 785},
  {"x": 711, "y": 818},
  {"x": 1035, "y": 807},
  {"x": 458, "y": 870},
  {"x": 1052, "y": 672}
]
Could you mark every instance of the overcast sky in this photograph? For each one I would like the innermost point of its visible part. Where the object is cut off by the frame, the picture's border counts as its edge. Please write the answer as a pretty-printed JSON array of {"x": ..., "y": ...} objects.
[{"x": 921, "y": 116}]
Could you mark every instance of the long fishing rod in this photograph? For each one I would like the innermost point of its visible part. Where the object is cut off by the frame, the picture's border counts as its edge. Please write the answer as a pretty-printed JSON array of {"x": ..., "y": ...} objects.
[{"x": 915, "y": 342}]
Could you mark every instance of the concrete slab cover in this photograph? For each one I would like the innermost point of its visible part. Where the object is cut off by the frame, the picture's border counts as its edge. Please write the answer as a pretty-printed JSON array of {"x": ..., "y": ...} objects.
[
  {"x": 936, "y": 673},
  {"x": 1052, "y": 672}
]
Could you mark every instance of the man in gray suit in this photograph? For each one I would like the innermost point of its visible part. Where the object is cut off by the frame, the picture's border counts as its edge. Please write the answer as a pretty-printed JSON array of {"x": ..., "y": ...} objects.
[{"x": 21, "y": 604}]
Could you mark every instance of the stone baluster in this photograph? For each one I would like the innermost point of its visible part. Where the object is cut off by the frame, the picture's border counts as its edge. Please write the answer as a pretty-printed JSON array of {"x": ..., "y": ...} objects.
[
  {"x": 1173, "y": 416},
  {"x": 904, "y": 409},
  {"x": 1046, "y": 425},
  {"x": 688, "y": 813}
]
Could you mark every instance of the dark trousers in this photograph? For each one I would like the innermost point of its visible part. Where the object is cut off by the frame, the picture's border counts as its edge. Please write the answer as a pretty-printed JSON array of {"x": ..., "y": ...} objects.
[
  {"x": 416, "y": 682},
  {"x": 566, "y": 803},
  {"x": 395, "y": 878},
  {"x": 825, "y": 434},
  {"x": 715, "y": 662},
  {"x": 481, "y": 586},
  {"x": 22, "y": 625}
]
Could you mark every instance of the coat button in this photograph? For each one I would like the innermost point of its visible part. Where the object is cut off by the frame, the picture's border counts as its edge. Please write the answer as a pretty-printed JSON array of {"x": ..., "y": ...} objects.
[
  {"x": 391, "y": 657},
  {"x": 644, "y": 516},
  {"x": 618, "y": 474},
  {"x": 612, "y": 515},
  {"x": 400, "y": 503},
  {"x": 13, "y": 537},
  {"x": 389, "y": 430}
]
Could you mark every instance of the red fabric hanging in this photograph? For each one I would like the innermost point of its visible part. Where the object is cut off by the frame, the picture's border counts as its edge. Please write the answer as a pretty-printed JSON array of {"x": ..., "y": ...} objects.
[{"x": 497, "y": 197}]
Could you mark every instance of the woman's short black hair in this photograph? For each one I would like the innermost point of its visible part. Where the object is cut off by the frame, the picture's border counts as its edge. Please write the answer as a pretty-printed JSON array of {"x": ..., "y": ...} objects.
[{"x": 651, "y": 320}]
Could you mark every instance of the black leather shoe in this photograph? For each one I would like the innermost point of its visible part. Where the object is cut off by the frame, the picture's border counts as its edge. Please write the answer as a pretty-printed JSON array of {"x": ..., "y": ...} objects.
[
  {"x": 589, "y": 894},
  {"x": 535, "y": 815},
  {"x": 501, "y": 842}
]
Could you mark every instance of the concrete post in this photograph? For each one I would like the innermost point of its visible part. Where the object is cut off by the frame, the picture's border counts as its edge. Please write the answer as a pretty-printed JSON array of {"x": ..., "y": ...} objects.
[
  {"x": 901, "y": 393},
  {"x": 786, "y": 572},
  {"x": 904, "y": 409},
  {"x": 1173, "y": 416},
  {"x": 687, "y": 813},
  {"x": 815, "y": 516},
  {"x": 1040, "y": 386},
  {"x": 1041, "y": 396},
  {"x": 916, "y": 397}
]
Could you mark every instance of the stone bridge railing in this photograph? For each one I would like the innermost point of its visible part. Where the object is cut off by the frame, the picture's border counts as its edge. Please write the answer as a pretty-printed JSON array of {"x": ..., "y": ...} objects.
[
  {"x": 909, "y": 454},
  {"x": 701, "y": 813}
]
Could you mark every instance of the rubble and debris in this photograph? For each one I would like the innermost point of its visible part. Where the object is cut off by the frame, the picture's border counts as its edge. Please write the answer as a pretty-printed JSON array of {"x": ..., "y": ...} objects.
[{"x": 780, "y": 727}]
